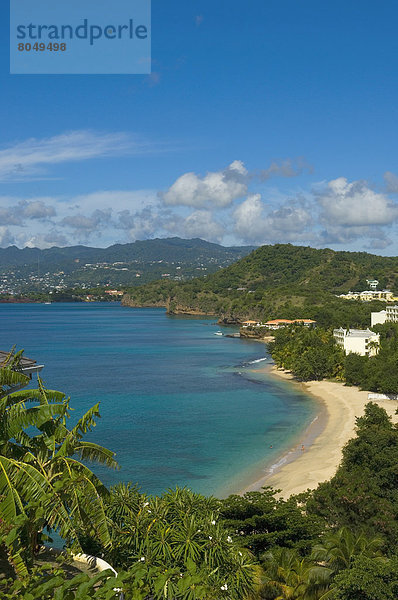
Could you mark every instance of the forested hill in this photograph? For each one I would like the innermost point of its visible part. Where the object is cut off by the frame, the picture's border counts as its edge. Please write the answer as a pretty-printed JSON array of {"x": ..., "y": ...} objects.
[
  {"x": 22, "y": 270},
  {"x": 281, "y": 281}
]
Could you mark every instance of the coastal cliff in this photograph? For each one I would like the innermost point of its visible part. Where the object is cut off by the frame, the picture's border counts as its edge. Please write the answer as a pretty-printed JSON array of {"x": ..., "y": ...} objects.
[
  {"x": 127, "y": 300},
  {"x": 172, "y": 308},
  {"x": 256, "y": 333}
]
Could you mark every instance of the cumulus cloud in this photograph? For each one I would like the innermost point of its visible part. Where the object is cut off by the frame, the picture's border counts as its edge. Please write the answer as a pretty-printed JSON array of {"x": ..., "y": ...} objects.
[
  {"x": 88, "y": 224},
  {"x": 43, "y": 240},
  {"x": 36, "y": 210},
  {"x": 216, "y": 189},
  {"x": 353, "y": 211},
  {"x": 17, "y": 212},
  {"x": 31, "y": 157},
  {"x": 199, "y": 224},
  {"x": 253, "y": 223},
  {"x": 355, "y": 204},
  {"x": 249, "y": 217},
  {"x": 371, "y": 237},
  {"x": 141, "y": 224},
  {"x": 220, "y": 188}
]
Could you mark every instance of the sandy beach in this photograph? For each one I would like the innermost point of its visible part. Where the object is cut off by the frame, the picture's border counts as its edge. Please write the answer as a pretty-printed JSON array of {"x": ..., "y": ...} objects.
[{"x": 323, "y": 441}]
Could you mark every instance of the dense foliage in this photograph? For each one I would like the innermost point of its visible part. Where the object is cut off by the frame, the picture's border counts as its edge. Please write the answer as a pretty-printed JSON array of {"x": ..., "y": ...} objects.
[
  {"x": 364, "y": 492},
  {"x": 173, "y": 532},
  {"x": 280, "y": 281},
  {"x": 308, "y": 353},
  {"x": 338, "y": 542}
]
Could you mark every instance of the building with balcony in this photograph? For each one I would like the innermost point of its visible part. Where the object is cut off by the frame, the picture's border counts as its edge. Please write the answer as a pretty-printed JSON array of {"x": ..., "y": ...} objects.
[{"x": 358, "y": 341}]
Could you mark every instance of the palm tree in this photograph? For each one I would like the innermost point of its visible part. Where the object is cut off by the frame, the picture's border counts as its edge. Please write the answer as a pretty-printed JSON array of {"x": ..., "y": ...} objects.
[
  {"x": 288, "y": 576},
  {"x": 339, "y": 549},
  {"x": 43, "y": 481}
]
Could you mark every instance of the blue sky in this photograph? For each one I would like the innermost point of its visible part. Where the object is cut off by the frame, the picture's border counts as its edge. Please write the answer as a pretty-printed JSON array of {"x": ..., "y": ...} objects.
[{"x": 262, "y": 122}]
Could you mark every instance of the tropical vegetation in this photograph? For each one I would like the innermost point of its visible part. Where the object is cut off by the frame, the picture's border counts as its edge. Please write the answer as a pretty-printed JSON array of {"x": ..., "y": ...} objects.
[
  {"x": 279, "y": 281},
  {"x": 338, "y": 542}
]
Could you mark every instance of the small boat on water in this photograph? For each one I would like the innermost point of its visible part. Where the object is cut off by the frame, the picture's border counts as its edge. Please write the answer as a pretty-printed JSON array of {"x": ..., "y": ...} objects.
[
  {"x": 47, "y": 302},
  {"x": 218, "y": 333}
]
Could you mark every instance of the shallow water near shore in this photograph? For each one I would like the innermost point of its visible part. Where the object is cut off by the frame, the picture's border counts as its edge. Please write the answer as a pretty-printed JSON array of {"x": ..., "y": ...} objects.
[{"x": 179, "y": 405}]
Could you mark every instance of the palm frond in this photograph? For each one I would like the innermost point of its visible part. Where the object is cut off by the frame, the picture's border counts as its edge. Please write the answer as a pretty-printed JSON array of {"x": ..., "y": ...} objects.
[
  {"x": 18, "y": 417},
  {"x": 84, "y": 494},
  {"x": 96, "y": 453},
  {"x": 10, "y": 377},
  {"x": 87, "y": 421}
]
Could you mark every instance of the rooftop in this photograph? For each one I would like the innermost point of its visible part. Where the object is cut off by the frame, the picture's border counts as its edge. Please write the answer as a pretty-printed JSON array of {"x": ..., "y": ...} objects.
[
  {"x": 355, "y": 332},
  {"x": 28, "y": 365}
]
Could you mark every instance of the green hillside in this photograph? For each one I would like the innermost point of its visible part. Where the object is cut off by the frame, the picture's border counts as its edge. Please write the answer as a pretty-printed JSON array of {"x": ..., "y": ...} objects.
[
  {"x": 282, "y": 281},
  {"x": 119, "y": 265}
]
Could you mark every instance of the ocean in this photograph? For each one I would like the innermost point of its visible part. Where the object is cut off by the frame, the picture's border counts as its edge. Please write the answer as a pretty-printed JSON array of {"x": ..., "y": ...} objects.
[{"x": 179, "y": 405}]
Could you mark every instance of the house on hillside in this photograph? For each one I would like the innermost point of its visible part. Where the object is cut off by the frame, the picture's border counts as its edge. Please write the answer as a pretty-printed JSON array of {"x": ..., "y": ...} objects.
[
  {"x": 305, "y": 322},
  {"x": 251, "y": 324},
  {"x": 358, "y": 341},
  {"x": 369, "y": 295},
  {"x": 372, "y": 283},
  {"x": 278, "y": 323}
]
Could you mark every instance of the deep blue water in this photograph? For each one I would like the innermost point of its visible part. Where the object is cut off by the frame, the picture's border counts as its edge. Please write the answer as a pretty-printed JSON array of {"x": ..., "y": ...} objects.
[{"x": 179, "y": 405}]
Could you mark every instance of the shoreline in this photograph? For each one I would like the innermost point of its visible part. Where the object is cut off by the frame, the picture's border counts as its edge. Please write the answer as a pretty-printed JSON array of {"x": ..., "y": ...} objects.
[{"x": 298, "y": 470}]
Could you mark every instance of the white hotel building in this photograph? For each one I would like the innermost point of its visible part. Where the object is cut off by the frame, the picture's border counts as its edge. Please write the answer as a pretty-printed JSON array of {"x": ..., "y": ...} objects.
[{"x": 358, "y": 341}]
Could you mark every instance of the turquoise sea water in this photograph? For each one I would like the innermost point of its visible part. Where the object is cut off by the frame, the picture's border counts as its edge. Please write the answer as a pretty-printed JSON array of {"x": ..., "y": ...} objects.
[{"x": 179, "y": 405}]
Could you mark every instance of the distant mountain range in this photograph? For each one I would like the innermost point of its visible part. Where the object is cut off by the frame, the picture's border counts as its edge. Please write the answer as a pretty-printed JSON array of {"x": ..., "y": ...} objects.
[{"x": 120, "y": 264}]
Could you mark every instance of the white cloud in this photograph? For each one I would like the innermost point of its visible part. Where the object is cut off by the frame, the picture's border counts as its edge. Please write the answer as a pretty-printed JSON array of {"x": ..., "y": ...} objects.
[
  {"x": 43, "y": 240},
  {"x": 85, "y": 225},
  {"x": 6, "y": 237},
  {"x": 372, "y": 237},
  {"x": 216, "y": 189},
  {"x": 202, "y": 225},
  {"x": 249, "y": 218},
  {"x": 220, "y": 188},
  {"x": 16, "y": 211},
  {"x": 36, "y": 210},
  {"x": 31, "y": 157},
  {"x": 355, "y": 204},
  {"x": 255, "y": 225},
  {"x": 142, "y": 224}
]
